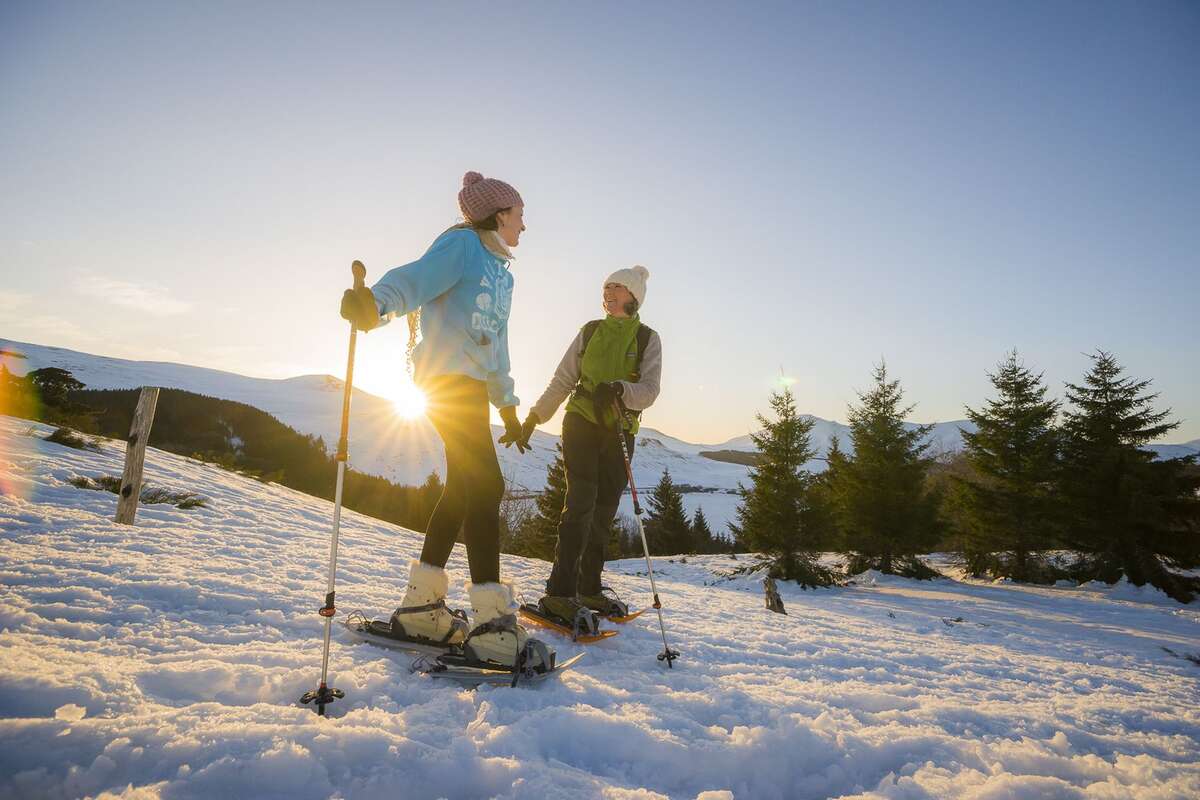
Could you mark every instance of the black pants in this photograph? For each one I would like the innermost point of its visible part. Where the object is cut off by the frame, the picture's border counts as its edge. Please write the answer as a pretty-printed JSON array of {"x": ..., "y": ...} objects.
[
  {"x": 458, "y": 408},
  {"x": 595, "y": 480}
]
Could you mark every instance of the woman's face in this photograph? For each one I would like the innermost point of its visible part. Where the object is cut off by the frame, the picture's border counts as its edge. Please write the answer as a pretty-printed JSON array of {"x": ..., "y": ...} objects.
[
  {"x": 615, "y": 298},
  {"x": 510, "y": 225}
]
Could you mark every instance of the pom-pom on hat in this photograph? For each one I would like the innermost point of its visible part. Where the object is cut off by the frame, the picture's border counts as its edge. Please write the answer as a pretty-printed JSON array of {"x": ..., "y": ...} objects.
[
  {"x": 633, "y": 279},
  {"x": 481, "y": 197}
]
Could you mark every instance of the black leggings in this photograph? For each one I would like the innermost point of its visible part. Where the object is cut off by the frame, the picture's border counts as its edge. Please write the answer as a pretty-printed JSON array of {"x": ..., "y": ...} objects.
[
  {"x": 595, "y": 480},
  {"x": 458, "y": 408}
]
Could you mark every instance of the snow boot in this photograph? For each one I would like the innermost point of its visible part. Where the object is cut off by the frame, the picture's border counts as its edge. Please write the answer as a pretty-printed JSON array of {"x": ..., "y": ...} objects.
[
  {"x": 497, "y": 637},
  {"x": 606, "y": 603},
  {"x": 571, "y": 612},
  {"x": 423, "y": 613}
]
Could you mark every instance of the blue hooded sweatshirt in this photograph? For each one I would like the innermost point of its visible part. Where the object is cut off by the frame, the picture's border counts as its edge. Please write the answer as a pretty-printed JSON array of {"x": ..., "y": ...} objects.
[{"x": 464, "y": 292}]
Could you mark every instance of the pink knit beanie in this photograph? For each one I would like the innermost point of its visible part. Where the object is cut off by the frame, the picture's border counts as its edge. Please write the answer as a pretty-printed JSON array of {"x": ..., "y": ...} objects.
[{"x": 481, "y": 197}]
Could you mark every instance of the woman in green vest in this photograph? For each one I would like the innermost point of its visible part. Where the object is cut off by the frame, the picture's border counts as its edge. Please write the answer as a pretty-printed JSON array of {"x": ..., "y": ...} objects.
[{"x": 613, "y": 361}]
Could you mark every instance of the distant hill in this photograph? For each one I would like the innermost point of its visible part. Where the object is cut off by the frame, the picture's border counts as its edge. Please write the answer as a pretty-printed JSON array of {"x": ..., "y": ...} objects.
[{"x": 405, "y": 452}]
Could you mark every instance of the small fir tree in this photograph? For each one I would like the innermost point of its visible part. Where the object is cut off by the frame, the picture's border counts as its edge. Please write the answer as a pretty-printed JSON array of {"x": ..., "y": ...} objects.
[
  {"x": 538, "y": 537},
  {"x": 703, "y": 540},
  {"x": 887, "y": 518},
  {"x": 1009, "y": 494},
  {"x": 668, "y": 531},
  {"x": 824, "y": 498},
  {"x": 776, "y": 516},
  {"x": 1128, "y": 513}
]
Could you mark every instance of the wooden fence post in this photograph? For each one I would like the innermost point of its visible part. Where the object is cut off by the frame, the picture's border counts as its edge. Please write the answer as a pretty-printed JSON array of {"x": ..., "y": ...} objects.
[{"x": 135, "y": 455}]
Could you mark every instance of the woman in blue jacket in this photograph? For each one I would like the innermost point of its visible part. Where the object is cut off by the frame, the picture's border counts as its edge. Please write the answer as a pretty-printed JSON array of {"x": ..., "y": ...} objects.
[{"x": 462, "y": 290}]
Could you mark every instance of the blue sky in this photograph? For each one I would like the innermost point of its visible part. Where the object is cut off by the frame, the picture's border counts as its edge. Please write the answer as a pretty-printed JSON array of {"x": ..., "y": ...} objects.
[{"x": 814, "y": 187}]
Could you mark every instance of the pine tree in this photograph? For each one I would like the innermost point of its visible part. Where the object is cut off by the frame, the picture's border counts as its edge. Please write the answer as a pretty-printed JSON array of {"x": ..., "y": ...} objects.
[
  {"x": 703, "y": 540},
  {"x": 54, "y": 385},
  {"x": 776, "y": 515},
  {"x": 1010, "y": 496},
  {"x": 824, "y": 491},
  {"x": 668, "y": 532},
  {"x": 1129, "y": 514},
  {"x": 835, "y": 456},
  {"x": 824, "y": 530},
  {"x": 538, "y": 537},
  {"x": 886, "y": 516}
]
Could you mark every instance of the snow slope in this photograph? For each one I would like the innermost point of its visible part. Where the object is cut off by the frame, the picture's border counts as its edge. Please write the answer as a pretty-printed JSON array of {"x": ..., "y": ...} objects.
[{"x": 164, "y": 661}]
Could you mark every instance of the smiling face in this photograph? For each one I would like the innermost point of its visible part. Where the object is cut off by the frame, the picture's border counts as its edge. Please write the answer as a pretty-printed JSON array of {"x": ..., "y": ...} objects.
[
  {"x": 510, "y": 223},
  {"x": 615, "y": 298}
]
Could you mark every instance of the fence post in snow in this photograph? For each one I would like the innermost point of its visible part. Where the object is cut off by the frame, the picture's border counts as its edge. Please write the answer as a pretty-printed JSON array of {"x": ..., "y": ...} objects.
[{"x": 135, "y": 455}]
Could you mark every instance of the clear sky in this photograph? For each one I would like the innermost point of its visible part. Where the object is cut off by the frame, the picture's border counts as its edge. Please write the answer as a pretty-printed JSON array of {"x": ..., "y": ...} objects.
[{"x": 813, "y": 186}]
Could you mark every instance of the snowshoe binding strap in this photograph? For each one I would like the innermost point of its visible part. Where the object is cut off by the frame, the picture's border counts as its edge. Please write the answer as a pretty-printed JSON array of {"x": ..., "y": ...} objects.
[
  {"x": 585, "y": 623},
  {"x": 617, "y": 607},
  {"x": 506, "y": 623},
  {"x": 534, "y": 652},
  {"x": 434, "y": 606}
]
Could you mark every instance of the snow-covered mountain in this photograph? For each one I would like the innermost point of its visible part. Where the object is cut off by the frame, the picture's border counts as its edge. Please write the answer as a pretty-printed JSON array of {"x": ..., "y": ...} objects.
[
  {"x": 407, "y": 451},
  {"x": 381, "y": 442},
  {"x": 404, "y": 451},
  {"x": 1165, "y": 451},
  {"x": 165, "y": 660},
  {"x": 401, "y": 450}
]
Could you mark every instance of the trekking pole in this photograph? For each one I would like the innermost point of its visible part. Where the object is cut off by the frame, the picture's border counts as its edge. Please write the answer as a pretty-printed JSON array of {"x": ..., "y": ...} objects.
[
  {"x": 324, "y": 694},
  {"x": 667, "y": 654}
]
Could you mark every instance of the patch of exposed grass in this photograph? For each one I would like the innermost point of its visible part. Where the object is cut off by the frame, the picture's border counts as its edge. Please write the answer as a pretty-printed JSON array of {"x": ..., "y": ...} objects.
[
  {"x": 151, "y": 495},
  {"x": 177, "y": 499},
  {"x": 72, "y": 438}
]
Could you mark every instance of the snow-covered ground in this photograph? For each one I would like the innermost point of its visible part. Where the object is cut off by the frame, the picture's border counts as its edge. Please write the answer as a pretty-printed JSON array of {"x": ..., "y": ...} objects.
[{"x": 164, "y": 661}]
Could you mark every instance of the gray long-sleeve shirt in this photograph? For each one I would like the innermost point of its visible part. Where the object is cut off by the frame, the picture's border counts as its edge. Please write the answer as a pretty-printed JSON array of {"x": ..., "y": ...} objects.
[{"x": 637, "y": 396}]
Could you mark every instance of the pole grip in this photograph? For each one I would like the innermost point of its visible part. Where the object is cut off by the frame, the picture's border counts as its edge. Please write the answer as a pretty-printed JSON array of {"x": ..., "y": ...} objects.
[{"x": 360, "y": 274}]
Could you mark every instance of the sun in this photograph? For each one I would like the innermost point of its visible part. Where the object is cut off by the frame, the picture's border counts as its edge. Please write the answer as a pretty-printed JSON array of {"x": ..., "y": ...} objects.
[{"x": 409, "y": 401}]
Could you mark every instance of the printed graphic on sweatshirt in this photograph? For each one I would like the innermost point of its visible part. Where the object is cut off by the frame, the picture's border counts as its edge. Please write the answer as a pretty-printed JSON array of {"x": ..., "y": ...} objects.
[{"x": 494, "y": 305}]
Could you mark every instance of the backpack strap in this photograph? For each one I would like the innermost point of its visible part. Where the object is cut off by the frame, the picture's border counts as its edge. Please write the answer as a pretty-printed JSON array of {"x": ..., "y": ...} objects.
[
  {"x": 589, "y": 330},
  {"x": 644, "y": 332}
]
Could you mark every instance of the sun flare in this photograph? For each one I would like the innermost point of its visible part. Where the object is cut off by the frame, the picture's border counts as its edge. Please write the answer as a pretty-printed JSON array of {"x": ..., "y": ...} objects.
[{"x": 409, "y": 402}]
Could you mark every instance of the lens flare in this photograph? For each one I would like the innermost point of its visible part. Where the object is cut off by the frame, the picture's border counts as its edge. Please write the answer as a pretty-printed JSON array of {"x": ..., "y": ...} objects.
[{"x": 409, "y": 401}]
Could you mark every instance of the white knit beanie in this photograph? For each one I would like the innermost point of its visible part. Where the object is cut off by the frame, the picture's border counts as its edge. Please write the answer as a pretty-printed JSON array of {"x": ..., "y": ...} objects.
[{"x": 633, "y": 279}]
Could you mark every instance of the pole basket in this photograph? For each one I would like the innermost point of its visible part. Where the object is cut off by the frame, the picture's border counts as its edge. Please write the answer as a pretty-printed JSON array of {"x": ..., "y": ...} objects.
[{"x": 323, "y": 696}]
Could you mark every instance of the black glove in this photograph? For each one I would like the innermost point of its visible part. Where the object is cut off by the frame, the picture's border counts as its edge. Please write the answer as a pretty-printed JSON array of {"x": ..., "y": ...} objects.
[
  {"x": 603, "y": 397},
  {"x": 512, "y": 430},
  {"x": 531, "y": 422},
  {"x": 358, "y": 306}
]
